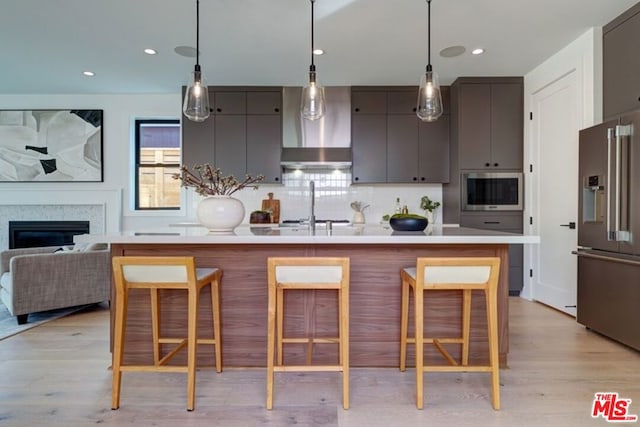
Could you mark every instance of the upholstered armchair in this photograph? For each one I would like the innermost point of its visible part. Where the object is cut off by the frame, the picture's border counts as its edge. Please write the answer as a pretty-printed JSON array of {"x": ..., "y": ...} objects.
[{"x": 48, "y": 278}]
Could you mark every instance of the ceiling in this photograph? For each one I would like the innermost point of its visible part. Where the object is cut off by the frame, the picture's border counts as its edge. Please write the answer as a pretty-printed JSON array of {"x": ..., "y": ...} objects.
[{"x": 45, "y": 45}]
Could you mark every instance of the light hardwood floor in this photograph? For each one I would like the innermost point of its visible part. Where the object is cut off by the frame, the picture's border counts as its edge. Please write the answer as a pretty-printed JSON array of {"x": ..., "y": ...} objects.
[{"x": 57, "y": 375}]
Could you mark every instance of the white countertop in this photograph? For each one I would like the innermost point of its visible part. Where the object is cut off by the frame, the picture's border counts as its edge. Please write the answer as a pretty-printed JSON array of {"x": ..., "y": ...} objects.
[{"x": 270, "y": 234}]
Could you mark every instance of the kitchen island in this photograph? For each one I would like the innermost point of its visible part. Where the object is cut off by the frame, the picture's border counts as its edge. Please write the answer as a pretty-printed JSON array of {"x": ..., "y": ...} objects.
[{"x": 377, "y": 255}]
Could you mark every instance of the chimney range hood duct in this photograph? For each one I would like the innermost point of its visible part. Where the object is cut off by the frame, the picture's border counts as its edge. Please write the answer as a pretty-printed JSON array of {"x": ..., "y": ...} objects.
[{"x": 322, "y": 143}]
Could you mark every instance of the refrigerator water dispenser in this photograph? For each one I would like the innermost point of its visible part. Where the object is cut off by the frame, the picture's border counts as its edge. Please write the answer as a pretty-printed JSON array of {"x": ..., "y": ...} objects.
[{"x": 593, "y": 200}]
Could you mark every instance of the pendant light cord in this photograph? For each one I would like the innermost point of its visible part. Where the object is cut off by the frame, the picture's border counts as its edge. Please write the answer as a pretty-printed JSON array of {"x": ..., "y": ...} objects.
[
  {"x": 429, "y": 35},
  {"x": 312, "y": 35},
  {"x": 198, "y": 34}
]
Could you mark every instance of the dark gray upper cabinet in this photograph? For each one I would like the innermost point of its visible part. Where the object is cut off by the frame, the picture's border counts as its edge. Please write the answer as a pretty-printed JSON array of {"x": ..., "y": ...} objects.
[
  {"x": 621, "y": 64},
  {"x": 402, "y": 148},
  {"x": 490, "y": 123},
  {"x": 433, "y": 150},
  {"x": 264, "y": 136},
  {"x": 229, "y": 102},
  {"x": 269, "y": 102},
  {"x": 390, "y": 144},
  {"x": 369, "y": 146},
  {"x": 368, "y": 102},
  {"x": 231, "y": 144},
  {"x": 242, "y": 136}
]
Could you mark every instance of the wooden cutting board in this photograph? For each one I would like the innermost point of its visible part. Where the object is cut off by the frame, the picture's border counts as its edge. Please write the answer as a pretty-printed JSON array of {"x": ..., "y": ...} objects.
[{"x": 272, "y": 205}]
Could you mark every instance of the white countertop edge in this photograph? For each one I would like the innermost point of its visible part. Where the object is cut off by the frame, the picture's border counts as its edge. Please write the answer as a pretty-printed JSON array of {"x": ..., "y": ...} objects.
[{"x": 378, "y": 235}]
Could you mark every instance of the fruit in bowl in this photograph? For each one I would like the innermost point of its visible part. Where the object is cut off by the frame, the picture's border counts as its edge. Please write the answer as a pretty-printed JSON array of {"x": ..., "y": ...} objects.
[{"x": 408, "y": 222}]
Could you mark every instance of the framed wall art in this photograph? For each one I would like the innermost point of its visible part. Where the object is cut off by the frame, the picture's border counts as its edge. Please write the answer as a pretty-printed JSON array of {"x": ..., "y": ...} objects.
[{"x": 51, "y": 145}]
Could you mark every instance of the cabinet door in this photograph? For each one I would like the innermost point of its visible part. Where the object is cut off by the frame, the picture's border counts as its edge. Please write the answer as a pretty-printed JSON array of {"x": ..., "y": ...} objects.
[
  {"x": 402, "y": 147},
  {"x": 511, "y": 223},
  {"x": 369, "y": 144},
  {"x": 197, "y": 139},
  {"x": 402, "y": 102},
  {"x": 506, "y": 126},
  {"x": 264, "y": 136},
  {"x": 621, "y": 68},
  {"x": 433, "y": 151},
  {"x": 474, "y": 131},
  {"x": 516, "y": 281},
  {"x": 373, "y": 102},
  {"x": 264, "y": 102},
  {"x": 231, "y": 145},
  {"x": 230, "y": 102}
]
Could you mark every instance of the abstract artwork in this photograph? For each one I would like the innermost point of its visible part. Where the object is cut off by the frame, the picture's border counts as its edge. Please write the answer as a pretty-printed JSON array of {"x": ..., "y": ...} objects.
[{"x": 51, "y": 145}]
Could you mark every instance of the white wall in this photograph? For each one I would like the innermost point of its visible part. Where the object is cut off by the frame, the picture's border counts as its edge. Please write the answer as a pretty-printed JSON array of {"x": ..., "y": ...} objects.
[
  {"x": 584, "y": 56},
  {"x": 115, "y": 192}
]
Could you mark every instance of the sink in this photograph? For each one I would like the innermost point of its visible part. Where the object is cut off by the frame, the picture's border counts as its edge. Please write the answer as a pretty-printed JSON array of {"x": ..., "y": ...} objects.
[{"x": 319, "y": 223}]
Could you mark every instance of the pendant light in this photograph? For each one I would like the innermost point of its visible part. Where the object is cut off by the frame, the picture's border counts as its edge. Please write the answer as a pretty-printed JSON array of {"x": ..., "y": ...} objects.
[
  {"x": 196, "y": 99},
  {"x": 312, "y": 95},
  {"x": 429, "y": 97}
]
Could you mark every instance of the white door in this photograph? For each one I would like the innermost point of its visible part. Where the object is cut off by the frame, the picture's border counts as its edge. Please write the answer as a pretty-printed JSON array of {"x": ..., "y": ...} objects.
[{"x": 554, "y": 181}]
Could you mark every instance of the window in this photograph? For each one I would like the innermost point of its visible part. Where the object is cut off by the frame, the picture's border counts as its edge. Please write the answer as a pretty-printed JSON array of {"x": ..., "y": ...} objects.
[{"x": 157, "y": 159}]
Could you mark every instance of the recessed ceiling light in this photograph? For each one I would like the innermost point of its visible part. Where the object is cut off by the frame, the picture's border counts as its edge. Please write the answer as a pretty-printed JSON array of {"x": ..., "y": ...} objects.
[
  {"x": 451, "y": 51},
  {"x": 477, "y": 51},
  {"x": 187, "y": 51},
  {"x": 89, "y": 73},
  {"x": 318, "y": 51},
  {"x": 150, "y": 51}
]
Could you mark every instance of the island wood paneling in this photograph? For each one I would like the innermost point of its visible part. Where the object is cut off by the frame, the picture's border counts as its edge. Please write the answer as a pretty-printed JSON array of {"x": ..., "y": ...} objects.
[{"x": 374, "y": 303}]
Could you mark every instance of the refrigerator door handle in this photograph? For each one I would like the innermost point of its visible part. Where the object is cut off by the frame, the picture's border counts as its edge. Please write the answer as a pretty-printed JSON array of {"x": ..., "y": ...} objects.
[
  {"x": 605, "y": 258},
  {"x": 610, "y": 231},
  {"x": 621, "y": 131}
]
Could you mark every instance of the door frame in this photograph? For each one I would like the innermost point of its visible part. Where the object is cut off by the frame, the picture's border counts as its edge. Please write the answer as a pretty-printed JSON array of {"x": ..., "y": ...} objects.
[{"x": 584, "y": 57}]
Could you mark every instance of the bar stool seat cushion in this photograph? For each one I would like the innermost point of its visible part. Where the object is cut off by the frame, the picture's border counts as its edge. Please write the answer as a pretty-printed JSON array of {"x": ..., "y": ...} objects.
[
  {"x": 162, "y": 273},
  {"x": 308, "y": 274},
  {"x": 452, "y": 274}
]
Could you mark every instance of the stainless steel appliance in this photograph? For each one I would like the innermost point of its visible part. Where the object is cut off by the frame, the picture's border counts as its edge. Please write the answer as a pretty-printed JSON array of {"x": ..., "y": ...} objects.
[
  {"x": 609, "y": 229},
  {"x": 308, "y": 144},
  {"x": 492, "y": 191}
]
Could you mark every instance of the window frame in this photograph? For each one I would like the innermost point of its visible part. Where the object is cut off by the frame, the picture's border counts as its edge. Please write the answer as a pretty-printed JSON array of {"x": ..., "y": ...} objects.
[{"x": 138, "y": 123}]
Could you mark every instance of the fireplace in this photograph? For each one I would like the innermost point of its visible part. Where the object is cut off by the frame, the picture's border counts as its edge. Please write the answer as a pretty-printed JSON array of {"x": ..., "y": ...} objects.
[{"x": 28, "y": 234}]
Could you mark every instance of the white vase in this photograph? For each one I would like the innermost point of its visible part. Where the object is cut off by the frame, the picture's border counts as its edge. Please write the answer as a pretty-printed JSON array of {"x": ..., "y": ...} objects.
[
  {"x": 220, "y": 214},
  {"x": 431, "y": 217}
]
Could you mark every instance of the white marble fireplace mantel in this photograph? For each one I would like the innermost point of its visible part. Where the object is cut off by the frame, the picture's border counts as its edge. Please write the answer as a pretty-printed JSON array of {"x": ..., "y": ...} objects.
[{"x": 103, "y": 209}]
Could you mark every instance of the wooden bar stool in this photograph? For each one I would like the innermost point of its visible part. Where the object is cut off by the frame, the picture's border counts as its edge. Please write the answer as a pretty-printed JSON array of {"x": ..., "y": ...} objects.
[
  {"x": 444, "y": 274},
  {"x": 163, "y": 272},
  {"x": 306, "y": 273}
]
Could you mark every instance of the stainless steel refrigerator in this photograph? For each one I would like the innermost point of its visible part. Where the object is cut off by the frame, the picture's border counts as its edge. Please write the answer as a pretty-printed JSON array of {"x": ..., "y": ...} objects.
[{"x": 609, "y": 229}]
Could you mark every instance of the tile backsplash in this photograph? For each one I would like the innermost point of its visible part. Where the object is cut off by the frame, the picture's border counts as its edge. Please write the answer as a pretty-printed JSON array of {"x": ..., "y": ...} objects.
[{"x": 334, "y": 194}]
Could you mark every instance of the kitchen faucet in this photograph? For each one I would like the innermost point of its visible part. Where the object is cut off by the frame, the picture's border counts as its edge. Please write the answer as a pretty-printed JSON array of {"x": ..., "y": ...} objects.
[{"x": 312, "y": 215}]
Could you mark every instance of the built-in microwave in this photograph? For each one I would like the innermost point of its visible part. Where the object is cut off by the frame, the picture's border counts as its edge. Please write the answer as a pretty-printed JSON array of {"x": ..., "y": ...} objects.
[{"x": 492, "y": 191}]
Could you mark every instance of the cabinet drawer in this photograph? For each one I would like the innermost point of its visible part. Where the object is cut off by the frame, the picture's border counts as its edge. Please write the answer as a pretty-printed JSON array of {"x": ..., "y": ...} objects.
[{"x": 511, "y": 223}]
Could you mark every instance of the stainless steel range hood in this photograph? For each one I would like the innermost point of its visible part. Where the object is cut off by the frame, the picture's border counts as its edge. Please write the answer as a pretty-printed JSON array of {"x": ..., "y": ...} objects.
[{"x": 323, "y": 143}]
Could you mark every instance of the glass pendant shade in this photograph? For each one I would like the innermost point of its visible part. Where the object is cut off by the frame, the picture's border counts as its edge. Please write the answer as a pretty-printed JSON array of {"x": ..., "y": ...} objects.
[
  {"x": 196, "y": 99},
  {"x": 313, "y": 106},
  {"x": 429, "y": 98}
]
